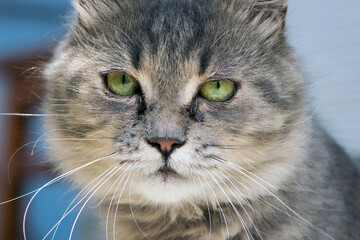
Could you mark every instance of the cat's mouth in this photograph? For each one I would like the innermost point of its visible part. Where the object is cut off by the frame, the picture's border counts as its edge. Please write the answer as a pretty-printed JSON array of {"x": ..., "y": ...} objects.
[{"x": 166, "y": 172}]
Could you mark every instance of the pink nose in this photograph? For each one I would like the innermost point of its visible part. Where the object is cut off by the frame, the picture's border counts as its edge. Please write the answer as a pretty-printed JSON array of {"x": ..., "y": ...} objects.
[{"x": 166, "y": 145}]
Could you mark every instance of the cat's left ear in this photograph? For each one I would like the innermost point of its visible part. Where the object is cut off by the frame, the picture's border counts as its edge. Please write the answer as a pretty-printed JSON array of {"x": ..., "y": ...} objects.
[
  {"x": 270, "y": 9},
  {"x": 272, "y": 5},
  {"x": 267, "y": 18}
]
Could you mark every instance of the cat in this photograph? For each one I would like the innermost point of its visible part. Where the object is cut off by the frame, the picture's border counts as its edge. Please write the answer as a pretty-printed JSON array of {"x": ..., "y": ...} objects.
[{"x": 186, "y": 119}]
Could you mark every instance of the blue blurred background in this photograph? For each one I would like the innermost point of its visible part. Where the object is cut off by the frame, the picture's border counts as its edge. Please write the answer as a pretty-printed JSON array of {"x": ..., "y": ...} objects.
[
  {"x": 324, "y": 33},
  {"x": 29, "y": 30}
]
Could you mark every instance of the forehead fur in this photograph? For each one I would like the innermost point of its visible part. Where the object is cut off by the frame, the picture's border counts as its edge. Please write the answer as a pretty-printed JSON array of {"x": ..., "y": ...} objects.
[{"x": 167, "y": 30}]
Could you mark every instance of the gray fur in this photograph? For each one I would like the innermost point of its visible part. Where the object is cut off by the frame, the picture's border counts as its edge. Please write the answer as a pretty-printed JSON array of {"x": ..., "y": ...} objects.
[{"x": 264, "y": 129}]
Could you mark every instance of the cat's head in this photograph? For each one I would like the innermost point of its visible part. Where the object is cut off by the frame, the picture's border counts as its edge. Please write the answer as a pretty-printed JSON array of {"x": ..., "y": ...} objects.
[{"x": 173, "y": 99}]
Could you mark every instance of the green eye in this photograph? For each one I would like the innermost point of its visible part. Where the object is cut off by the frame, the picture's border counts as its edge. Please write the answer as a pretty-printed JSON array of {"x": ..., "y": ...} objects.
[
  {"x": 122, "y": 84},
  {"x": 217, "y": 91}
]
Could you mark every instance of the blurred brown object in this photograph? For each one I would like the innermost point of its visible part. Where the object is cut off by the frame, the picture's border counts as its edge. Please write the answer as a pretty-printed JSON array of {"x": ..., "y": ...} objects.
[{"x": 25, "y": 88}]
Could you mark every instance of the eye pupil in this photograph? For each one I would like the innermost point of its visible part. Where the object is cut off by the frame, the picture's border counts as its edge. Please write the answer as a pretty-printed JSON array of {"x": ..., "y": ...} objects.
[
  {"x": 218, "y": 84},
  {"x": 123, "y": 79}
]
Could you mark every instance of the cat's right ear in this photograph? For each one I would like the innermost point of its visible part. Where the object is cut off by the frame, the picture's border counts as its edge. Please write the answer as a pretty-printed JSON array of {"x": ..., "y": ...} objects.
[{"x": 87, "y": 11}]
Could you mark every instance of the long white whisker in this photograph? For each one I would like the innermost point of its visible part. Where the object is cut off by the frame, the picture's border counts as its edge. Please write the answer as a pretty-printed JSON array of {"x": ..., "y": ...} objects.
[
  {"x": 243, "y": 169},
  {"x": 242, "y": 195},
  {"x": 232, "y": 205},
  {"x": 306, "y": 119},
  {"x": 217, "y": 201},
  {"x": 118, "y": 201},
  {"x": 26, "y": 194},
  {"x": 111, "y": 187},
  {"x": 9, "y": 165},
  {"x": 32, "y": 153},
  {"x": 120, "y": 178},
  {"x": 28, "y": 114},
  {"x": 243, "y": 208},
  {"x": 208, "y": 207},
  {"x": 55, "y": 180},
  {"x": 251, "y": 192},
  {"x": 132, "y": 211},
  {"x": 280, "y": 210},
  {"x": 118, "y": 182},
  {"x": 278, "y": 199},
  {"x": 92, "y": 194},
  {"x": 55, "y": 130},
  {"x": 117, "y": 207},
  {"x": 107, "y": 172}
]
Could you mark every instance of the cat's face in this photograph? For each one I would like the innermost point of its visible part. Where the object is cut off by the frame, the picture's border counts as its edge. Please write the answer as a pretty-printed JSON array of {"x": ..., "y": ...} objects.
[{"x": 172, "y": 142}]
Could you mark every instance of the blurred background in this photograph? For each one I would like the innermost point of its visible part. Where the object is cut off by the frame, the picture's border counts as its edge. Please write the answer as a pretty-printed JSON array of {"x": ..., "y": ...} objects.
[{"x": 324, "y": 33}]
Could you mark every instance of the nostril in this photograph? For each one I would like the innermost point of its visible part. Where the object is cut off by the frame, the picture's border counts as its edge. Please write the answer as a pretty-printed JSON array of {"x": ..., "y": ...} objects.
[{"x": 155, "y": 144}]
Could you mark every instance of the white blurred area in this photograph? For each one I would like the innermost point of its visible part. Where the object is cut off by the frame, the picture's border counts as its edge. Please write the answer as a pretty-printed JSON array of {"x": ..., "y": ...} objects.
[{"x": 326, "y": 37}]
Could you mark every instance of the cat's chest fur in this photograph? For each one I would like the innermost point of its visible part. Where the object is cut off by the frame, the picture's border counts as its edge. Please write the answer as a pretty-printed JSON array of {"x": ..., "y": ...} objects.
[{"x": 187, "y": 119}]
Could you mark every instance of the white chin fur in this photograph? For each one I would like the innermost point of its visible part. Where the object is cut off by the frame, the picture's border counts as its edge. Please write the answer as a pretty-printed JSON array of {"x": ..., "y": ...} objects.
[{"x": 172, "y": 191}]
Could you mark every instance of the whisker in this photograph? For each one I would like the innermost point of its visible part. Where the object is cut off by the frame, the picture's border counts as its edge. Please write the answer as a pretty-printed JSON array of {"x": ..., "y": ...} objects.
[
  {"x": 208, "y": 207},
  {"x": 39, "y": 97},
  {"x": 132, "y": 211},
  {"x": 57, "y": 179},
  {"x": 243, "y": 169},
  {"x": 118, "y": 182},
  {"x": 247, "y": 231},
  {"x": 9, "y": 166},
  {"x": 242, "y": 195},
  {"x": 306, "y": 119},
  {"x": 28, "y": 114},
  {"x": 93, "y": 193},
  {"x": 243, "y": 208},
  {"x": 117, "y": 207},
  {"x": 107, "y": 172},
  {"x": 107, "y": 192},
  {"x": 222, "y": 146},
  {"x": 280, "y": 210},
  {"x": 55, "y": 130},
  {"x": 121, "y": 177},
  {"x": 221, "y": 211},
  {"x": 24, "y": 195},
  {"x": 238, "y": 182},
  {"x": 278, "y": 199},
  {"x": 36, "y": 142}
]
